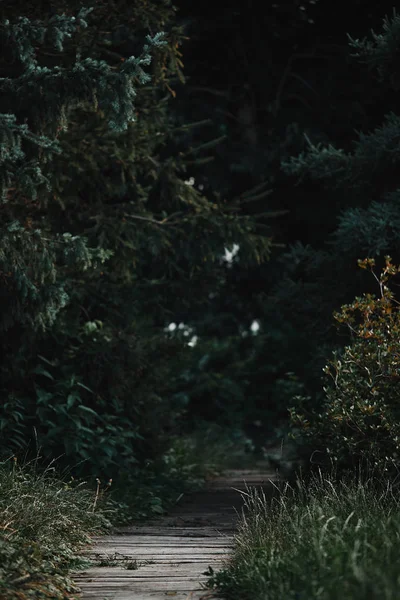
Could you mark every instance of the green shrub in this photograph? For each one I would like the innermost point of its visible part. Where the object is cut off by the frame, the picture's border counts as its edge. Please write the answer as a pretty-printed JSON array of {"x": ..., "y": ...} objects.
[{"x": 360, "y": 418}]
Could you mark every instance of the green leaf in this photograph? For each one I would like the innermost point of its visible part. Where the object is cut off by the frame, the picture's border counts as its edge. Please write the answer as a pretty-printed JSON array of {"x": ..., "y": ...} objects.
[
  {"x": 42, "y": 396},
  {"x": 41, "y": 371},
  {"x": 84, "y": 387},
  {"x": 87, "y": 430},
  {"x": 108, "y": 451},
  {"x": 89, "y": 410},
  {"x": 71, "y": 400},
  {"x": 49, "y": 362}
]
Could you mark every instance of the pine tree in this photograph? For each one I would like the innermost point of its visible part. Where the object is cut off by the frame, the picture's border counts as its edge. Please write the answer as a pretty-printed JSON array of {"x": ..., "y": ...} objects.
[{"x": 106, "y": 239}]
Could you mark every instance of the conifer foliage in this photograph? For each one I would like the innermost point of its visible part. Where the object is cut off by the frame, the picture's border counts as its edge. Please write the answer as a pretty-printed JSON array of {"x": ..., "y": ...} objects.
[{"x": 104, "y": 237}]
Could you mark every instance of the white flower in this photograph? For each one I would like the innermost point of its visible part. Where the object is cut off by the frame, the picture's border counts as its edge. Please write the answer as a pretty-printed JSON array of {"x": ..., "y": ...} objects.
[
  {"x": 255, "y": 326},
  {"x": 230, "y": 254}
]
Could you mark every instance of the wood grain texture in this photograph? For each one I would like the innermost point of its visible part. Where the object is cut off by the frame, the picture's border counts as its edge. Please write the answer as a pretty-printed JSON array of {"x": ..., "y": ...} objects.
[{"x": 168, "y": 557}]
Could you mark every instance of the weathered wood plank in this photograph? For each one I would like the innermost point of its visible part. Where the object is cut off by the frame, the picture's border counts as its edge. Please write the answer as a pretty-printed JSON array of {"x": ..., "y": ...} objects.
[
  {"x": 171, "y": 539},
  {"x": 164, "y": 530},
  {"x": 173, "y": 561},
  {"x": 104, "y": 548},
  {"x": 124, "y": 594},
  {"x": 177, "y": 570},
  {"x": 165, "y": 585},
  {"x": 126, "y": 547}
]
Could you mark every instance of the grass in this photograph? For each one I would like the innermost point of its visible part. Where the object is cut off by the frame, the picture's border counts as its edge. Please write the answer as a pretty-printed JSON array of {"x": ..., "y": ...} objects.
[
  {"x": 329, "y": 539},
  {"x": 44, "y": 523}
]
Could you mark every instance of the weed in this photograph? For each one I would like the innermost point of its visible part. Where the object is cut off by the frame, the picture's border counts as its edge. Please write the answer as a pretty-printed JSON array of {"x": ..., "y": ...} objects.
[{"x": 122, "y": 561}]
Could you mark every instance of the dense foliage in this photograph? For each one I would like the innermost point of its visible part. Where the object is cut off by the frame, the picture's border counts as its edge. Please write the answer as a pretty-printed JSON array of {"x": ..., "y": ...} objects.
[
  {"x": 104, "y": 238},
  {"x": 358, "y": 422},
  {"x": 136, "y": 215}
]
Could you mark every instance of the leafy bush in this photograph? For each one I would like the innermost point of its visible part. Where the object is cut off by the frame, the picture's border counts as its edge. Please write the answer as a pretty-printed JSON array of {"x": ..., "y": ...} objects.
[
  {"x": 81, "y": 404},
  {"x": 68, "y": 426},
  {"x": 360, "y": 417}
]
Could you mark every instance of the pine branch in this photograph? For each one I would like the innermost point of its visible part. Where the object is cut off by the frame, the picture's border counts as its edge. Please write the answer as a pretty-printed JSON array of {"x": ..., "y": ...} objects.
[{"x": 165, "y": 221}]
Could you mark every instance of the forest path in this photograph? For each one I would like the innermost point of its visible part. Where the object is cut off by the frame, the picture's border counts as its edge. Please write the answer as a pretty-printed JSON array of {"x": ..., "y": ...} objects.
[{"x": 167, "y": 558}]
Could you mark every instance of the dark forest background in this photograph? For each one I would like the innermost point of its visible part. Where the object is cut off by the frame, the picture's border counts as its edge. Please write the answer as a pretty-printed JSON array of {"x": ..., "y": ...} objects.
[
  {"x": 269, "y": 127},
  {"x": 279, "y": 79}
]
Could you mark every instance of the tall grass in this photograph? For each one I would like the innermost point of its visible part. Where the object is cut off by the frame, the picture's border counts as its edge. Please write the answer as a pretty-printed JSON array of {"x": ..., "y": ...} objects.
[
  {"x": 328, "y": 539},
  {"x": 44, "y": 522}
]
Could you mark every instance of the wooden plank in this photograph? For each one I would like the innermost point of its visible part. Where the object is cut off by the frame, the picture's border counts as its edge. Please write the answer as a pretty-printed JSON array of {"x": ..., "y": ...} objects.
[
  {"x": 107, "y": 550},
  {"x": 207, "y": 558},
  {"x": 159, "y": 571},
  {"x": 108, "y": 579},
  {"x": 98, "y": 573},
  {"x": 124, "y": 594},
  {"x": 168, "y": 558},
  {"x": 187, "y": 543},
  {"x": 147, "y": 586},
  {"x": 131, "y": 550},
  {"x": 121, "y": 573},
  {"x": 182, "y": 532},
  {"x": 171, "y": 539},
  {"x": 158, "y": 548}
]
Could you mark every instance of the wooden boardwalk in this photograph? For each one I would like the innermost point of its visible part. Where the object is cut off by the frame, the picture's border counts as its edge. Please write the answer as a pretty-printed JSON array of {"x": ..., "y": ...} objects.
[{"x": 167, "y": 558}]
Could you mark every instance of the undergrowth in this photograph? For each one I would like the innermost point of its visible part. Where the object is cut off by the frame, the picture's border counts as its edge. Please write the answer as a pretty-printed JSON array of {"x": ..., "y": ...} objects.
[{"x": 44, "y": 522}]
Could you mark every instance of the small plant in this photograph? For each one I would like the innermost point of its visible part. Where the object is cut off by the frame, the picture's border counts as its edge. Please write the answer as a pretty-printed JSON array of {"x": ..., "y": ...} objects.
[
  {"x": 100, "y": 492},
  {"x": 119, "y": 560},
  {"x": 360, "y": 418}
]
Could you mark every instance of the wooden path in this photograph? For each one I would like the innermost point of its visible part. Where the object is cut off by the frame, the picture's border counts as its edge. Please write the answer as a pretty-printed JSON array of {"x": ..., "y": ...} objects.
[{"x": 167, "y": 558}]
